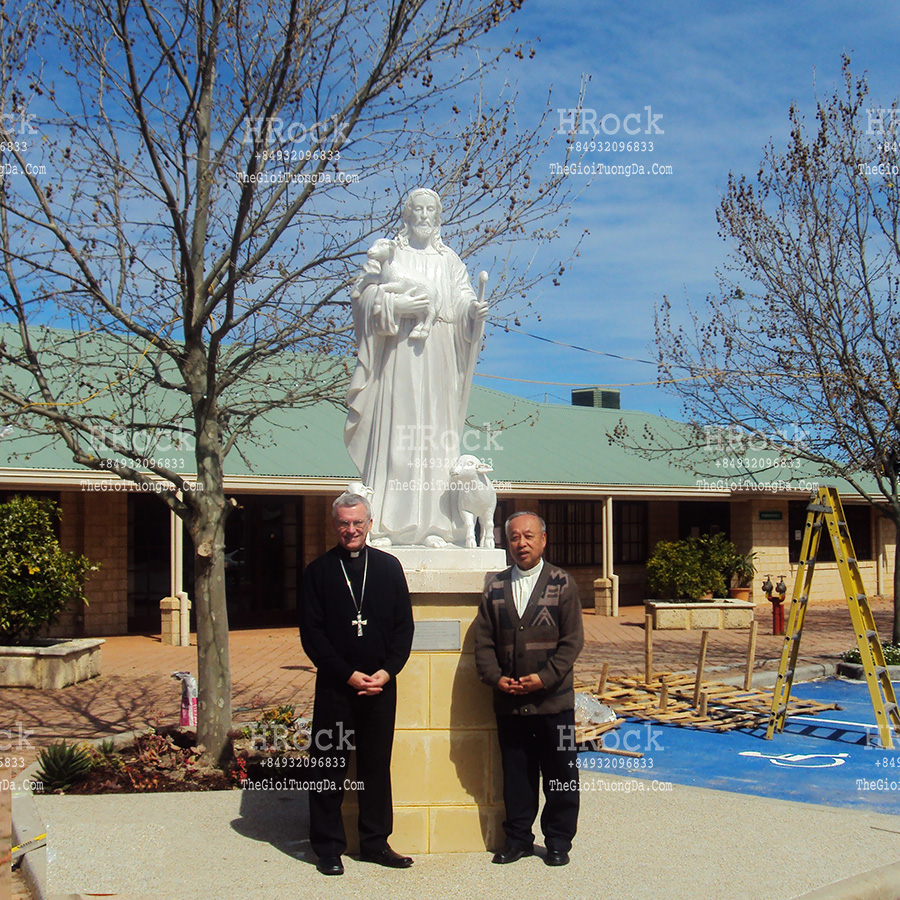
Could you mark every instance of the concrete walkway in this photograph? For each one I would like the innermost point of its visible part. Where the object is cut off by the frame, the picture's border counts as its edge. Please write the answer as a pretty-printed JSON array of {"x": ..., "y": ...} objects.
[
  {"x": 683, "y": 844},
  {"x": 687, "y": 842}
]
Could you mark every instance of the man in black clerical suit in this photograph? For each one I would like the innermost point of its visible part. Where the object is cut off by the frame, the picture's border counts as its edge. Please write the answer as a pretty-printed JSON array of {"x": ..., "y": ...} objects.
[{"x": 356, "y": 626}]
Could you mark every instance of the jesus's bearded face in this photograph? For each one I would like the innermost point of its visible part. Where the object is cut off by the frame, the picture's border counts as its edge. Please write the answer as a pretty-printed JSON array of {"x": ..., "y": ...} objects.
[{"x": 423, "y": 217}]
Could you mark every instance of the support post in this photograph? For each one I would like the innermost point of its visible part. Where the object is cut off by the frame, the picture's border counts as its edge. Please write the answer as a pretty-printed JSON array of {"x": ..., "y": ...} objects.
[
  {"x": 176, "y": 576},
  {"x": 751, "y": 656},
  {"x": 604, "y": 674},
  {"x": 704, "y": 640}
]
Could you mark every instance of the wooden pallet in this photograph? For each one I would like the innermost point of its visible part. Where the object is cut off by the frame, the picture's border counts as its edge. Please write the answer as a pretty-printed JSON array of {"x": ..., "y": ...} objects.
[
  {"x": 585, "y": 733},
  {"x": 722, "y": 707}
]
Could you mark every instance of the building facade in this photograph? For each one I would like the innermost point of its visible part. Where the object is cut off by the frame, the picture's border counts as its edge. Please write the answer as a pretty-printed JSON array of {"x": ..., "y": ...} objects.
[{"x": 606, "y": 507}]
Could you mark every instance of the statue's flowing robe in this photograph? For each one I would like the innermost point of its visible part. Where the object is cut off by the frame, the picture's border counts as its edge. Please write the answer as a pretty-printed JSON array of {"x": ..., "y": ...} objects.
[{"x": 407, "y": 398}]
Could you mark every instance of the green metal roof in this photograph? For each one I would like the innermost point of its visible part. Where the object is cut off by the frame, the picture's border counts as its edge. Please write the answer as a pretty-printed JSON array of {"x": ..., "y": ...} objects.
[{"x": 527, "y": 443}]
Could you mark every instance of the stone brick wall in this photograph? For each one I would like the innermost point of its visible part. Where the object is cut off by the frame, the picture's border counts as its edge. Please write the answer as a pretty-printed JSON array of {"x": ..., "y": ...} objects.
[
  {"x": 886, "y": 539},
  {"x": 317, "y": 533},
  {"x": 741, "y": 524},
  {"x": 584, "y": 577},
  {"x": 71, "y": 537},
  {"x": 769, "y": 539},
  {"x": 95, "y": 523}
]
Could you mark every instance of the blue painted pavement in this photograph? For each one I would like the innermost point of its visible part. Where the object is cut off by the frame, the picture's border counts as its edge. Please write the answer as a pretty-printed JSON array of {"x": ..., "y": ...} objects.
[{"x": 824, "y": 763}]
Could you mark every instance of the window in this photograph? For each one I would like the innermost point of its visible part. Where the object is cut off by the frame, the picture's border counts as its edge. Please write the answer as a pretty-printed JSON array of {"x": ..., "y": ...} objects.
[
  {"x": 859, "y": 522},
  {"x": 148, "y": 560},
  {"x": 574, "y": 531},
  {"x": 696, "y": 517},
  {"x": 502, "y": 512},
  {"x": 629, "y": 532}
]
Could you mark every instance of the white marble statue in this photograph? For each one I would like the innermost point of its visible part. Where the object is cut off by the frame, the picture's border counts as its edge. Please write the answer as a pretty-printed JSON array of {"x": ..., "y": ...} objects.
[
  {"x": 418, "y": 327},
  {"x": 476, "y": 498}
]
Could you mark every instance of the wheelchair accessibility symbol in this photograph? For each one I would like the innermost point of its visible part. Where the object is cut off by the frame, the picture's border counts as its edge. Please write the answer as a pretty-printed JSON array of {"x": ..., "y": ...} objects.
[{"x": 802, "y": 760}]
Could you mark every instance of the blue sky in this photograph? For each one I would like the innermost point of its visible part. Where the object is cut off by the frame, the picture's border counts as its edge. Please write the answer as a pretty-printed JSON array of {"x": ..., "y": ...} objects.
[{"x": 723, "y": 76}]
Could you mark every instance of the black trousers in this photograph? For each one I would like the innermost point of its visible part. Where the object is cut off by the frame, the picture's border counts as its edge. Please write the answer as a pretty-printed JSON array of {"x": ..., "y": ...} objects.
[
  {"x": 343, "y": 721},
  {"x": 534, "y": 747}
]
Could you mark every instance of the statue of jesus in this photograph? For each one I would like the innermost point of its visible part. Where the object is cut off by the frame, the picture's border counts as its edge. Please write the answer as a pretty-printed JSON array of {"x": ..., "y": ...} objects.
[{"x": 418, "y": 327}]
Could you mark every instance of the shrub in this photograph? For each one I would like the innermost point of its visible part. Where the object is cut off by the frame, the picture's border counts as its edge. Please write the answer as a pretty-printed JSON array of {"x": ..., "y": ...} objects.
[
  {"x": 891, "y": 654},
  {"x": 689, "y": 569},
  {"x": 38, "y": 579}
]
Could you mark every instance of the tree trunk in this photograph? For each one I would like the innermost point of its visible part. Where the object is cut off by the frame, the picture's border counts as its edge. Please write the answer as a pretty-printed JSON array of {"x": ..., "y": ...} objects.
[
  {"x": 208, "y": 533},
  {"x": 895, "y": 633}
]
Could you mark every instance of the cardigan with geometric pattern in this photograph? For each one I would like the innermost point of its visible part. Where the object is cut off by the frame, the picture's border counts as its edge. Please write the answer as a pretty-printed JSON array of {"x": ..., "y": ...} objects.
[{"x": 546, "y": 641}]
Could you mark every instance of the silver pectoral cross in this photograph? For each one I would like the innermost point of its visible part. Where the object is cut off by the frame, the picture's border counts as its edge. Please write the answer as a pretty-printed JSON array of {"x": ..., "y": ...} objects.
[{"x": 359, "y": 621}]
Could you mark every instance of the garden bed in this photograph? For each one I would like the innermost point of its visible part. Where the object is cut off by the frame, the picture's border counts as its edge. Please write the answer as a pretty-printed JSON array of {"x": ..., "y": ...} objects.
[
  {"x": 50, "y": 663},
  {"x": 169, "y": 759},
  {"x": 711, "y": 615}
]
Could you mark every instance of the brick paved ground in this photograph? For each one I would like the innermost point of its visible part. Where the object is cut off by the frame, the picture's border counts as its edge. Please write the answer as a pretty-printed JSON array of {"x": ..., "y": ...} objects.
[
  {"x": 826, "y": 634},
  {"x": 268, "y": 667}
]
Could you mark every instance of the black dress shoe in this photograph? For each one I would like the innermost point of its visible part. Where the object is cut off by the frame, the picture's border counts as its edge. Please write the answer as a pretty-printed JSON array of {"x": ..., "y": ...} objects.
[
  {"x": 556, "y": 858},
  {"x": 387, "y": 857},
  {"x": 330, "y": 865},
  {"x": 510, "y": 854}
]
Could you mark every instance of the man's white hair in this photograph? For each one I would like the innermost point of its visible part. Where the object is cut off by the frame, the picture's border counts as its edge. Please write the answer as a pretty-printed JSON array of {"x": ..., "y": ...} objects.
[
  {"x": 347, "y": 499},
  {"x": 525, "y": 512}
]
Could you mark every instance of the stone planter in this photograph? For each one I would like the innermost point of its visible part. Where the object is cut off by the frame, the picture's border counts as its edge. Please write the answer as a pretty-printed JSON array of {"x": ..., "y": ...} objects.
[
  {"x": 710, "y": 615},
  {"x": 50, "y": 663}
]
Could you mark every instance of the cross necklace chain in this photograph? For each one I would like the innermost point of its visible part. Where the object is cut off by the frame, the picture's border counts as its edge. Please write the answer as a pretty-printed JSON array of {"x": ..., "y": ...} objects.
[{"x": 359, "y": 621}]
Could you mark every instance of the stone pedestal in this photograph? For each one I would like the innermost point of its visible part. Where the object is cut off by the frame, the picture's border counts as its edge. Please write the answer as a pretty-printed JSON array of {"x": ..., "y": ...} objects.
[
  {"x": 606, "y": 596},
  {"x": 171, "y": 620},
  {"x": 445, "y": 769}
]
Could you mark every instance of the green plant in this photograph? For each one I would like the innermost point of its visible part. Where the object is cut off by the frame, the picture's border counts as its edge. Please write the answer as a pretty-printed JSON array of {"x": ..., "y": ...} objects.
[
  {"x": 278, "y": 728},
  {"x": 38, "y": 579},
  {"x": 62, "y": 765},
  {"x": 689, "y": 569},
  {"x": 740, "y": 570},
  {"x": 717, "y": 554},
  {"x": 891, "y": 655}
]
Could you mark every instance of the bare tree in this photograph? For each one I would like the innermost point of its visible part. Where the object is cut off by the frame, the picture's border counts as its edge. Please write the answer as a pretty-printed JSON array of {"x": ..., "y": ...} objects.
[
  {"x": 802, "y": 343},
  {"x": 180, "y": 228}
]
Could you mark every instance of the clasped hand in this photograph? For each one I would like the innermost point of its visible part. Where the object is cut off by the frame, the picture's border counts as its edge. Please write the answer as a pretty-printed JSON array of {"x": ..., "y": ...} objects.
[
  {"x": 524, "y": 685},
  {"x": 368, "y": 685}
]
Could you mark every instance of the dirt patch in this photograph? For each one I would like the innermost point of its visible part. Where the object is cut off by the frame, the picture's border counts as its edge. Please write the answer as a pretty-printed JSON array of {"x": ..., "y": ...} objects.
[{"x": 166, "y": 760}]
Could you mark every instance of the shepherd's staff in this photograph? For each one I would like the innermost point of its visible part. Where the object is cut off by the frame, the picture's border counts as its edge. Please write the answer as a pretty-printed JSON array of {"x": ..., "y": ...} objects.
[{"x": 482, "y": 281}]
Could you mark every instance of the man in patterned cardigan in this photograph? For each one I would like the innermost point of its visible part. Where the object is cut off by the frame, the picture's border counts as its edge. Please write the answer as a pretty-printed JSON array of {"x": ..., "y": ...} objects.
[{"x": 528, "y": 634}]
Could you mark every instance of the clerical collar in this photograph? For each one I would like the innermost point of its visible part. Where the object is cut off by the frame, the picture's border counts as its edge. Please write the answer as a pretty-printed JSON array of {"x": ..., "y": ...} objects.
[
  {"x": 351, "y": 554},
  {"x": 534, "y": 570}
]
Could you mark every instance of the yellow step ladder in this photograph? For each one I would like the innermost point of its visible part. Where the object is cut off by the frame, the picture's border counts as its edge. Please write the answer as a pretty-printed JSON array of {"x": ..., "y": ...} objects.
[{"x": 826, "y": 510}]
